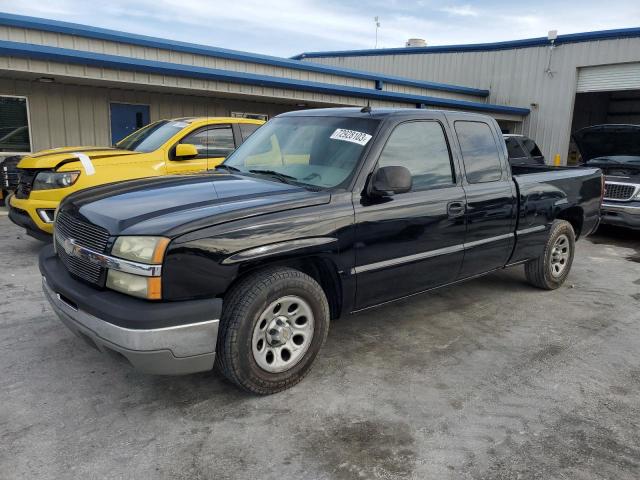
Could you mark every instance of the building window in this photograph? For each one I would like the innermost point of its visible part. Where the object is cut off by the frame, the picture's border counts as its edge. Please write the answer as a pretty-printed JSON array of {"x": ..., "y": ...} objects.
[
  {"x": 14, "y": 125},
  {"x": 253, "y": 116}
]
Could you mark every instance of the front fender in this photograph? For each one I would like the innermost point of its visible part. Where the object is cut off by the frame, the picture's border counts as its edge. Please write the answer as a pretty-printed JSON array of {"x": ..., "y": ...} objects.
[{"x": 306, "y": 245}]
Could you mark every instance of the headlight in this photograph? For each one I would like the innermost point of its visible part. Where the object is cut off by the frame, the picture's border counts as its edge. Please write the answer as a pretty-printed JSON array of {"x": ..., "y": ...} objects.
[
  {"x": 140, "y": 249},
  {"x": 149, "y": 250},
  {"x": 49, "y": 180},
  {"x": 135, "y": 285}
]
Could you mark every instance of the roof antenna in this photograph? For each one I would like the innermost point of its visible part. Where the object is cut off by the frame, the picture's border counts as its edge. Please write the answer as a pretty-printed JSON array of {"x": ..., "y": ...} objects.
[{"x": 366, "y": 109}]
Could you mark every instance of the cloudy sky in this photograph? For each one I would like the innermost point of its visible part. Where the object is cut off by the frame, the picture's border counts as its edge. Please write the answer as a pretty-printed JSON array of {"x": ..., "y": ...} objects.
[{"x": 288, "y": 27}]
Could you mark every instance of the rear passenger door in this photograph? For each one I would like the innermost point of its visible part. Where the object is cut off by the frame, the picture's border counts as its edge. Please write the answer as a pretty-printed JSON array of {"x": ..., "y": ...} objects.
[
  {"x": 412, "y": 241},
  {"x": 490, "y": 195}
]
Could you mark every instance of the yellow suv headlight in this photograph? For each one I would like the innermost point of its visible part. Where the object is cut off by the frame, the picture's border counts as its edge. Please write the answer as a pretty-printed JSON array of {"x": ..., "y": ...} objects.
[
  {"x": 50, "y": 180},
  {"x": 140, "y": 249}
]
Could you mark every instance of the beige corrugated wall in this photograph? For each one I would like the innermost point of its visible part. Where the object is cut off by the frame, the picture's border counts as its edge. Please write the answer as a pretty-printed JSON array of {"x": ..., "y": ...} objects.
[{"x": 65, "y": 115}]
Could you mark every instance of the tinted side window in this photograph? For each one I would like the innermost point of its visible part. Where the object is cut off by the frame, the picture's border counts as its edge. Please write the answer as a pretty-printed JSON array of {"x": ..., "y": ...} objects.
[
  {"x": 422, "y": 148},
  {"x": 246, "y": 129},
  {"x": 212, "y": 142},
  {"x": 531, "y": 147},
  {"x": 480, "y": 153},
  {"x": 514, "y": 148}
]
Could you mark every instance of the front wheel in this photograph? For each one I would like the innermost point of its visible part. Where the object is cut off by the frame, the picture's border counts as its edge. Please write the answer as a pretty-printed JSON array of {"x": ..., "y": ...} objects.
[
  {"x": 273, "y": 324},
  {"x": 550, "y": 270}
]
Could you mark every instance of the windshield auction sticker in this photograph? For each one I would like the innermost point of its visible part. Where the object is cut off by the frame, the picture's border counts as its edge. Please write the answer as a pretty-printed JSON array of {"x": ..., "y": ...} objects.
[{"x": 352, "y": 136}]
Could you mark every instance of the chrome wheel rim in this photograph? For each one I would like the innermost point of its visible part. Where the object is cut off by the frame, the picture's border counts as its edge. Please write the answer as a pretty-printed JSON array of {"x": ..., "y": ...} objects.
[
  {"x": 559, "y": 257},
  {"x": 282, "y": 334}
]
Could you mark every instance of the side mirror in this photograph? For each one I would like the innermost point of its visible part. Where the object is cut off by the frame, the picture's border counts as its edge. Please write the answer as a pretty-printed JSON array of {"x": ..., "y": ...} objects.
[
  {"x": 387, "y": 181},
  {"x": 185, "y": 151}
]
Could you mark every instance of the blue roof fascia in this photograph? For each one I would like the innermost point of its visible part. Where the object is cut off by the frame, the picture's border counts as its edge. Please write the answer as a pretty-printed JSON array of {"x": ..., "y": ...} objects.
[
  {"x": 56, "y": 54},
  {"x": 57, "y": 26},
  {"x": 481, "y": 47}
]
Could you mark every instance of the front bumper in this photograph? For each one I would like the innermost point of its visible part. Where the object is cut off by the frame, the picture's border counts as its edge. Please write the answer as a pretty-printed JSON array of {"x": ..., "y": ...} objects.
[
  {"x": 171, "y": 338},
  {"x": 621, "y": 214},
  {"x": 23, "y": 219},
  {"x": 24, "y": 213}
]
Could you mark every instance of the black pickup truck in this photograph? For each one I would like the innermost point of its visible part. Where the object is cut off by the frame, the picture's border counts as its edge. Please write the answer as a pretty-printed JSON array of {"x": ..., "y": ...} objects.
[{"x": 320, "y": 213}]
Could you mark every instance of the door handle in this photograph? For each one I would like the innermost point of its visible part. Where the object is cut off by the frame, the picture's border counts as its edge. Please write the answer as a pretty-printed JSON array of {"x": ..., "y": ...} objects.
[{"x": 455, "y": 209}]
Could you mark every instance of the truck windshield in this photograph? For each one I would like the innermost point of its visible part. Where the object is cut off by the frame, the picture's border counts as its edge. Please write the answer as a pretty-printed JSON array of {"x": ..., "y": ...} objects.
[
  {"x": 151, "y": 137},
  {"x": 319, "y": 152}
]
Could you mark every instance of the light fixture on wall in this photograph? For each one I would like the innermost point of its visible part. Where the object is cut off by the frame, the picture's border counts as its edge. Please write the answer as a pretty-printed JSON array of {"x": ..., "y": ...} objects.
[
  {"x": 46, "y": 79},
  {"x": 552, "y": 37}
]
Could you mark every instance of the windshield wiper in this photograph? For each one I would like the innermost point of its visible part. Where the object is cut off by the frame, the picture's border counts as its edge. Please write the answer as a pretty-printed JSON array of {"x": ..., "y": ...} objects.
[
  {"x": 228, "y": 168},
  {"x": 283, "y": 177}
]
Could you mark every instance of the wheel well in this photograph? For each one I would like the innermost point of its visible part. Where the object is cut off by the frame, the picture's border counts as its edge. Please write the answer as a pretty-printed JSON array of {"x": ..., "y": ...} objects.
[
  {"x": 575, "y": 216},
  {"x": 320, "y": 269}
]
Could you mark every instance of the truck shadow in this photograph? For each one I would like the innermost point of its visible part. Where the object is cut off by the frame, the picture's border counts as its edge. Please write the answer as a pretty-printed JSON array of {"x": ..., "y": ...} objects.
[
  {"x": 351, "y": 339},
  {"x": 618, "y": 237}
]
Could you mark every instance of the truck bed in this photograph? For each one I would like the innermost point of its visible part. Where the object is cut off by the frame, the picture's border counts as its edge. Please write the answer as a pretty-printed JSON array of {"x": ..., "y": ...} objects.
[{"x": 546, "y": 193}]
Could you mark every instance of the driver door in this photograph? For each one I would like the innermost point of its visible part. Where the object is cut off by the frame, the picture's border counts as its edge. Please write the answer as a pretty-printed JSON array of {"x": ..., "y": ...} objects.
[
  {"x": 214, "y": 143},
  {"x": 411, "y": 242}
]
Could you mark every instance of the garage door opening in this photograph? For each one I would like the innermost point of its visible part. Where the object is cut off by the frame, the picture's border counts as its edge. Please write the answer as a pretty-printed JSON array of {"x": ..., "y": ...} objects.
[{"x": 597, "y": 108}]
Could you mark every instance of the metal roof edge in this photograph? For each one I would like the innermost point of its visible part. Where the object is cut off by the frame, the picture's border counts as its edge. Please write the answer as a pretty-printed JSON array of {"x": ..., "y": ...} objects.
[
  {"x": 480, "y": 47},
  {"x": 42, "y": 52},
  {"x": 58, "y": 26}
]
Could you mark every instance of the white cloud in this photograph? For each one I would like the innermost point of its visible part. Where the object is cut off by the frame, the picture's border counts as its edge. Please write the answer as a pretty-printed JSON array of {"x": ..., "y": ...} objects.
[
  {"x": 287, "y": 27},
  {"x": 461, "y": 11}
]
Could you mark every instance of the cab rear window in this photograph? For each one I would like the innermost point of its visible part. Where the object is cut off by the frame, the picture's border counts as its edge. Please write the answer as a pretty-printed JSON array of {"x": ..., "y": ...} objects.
[{"x": 480, "y": 153}]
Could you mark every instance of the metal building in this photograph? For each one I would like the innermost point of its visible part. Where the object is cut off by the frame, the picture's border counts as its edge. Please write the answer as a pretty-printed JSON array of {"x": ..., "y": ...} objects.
[
  {"x": 66, "y": 84},
  {"x": 570, "y": 82}
]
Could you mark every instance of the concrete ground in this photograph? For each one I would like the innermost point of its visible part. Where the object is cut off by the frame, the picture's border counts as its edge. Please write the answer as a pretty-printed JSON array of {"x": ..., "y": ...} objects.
[{"x": 492, "y": 379}]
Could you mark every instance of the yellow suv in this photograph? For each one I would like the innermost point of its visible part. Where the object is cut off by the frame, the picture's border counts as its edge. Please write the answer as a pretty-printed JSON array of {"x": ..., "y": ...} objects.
[{"x": 165, "y": 147}]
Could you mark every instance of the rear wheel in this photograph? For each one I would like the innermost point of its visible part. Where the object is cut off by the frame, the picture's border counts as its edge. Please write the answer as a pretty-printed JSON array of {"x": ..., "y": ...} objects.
[
  {"x": 273, "y": 324},
  {"x": 550, "y": 270}
]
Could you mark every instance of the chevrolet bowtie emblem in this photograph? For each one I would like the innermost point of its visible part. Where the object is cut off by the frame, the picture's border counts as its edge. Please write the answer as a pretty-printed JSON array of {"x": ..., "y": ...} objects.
[{"x": 69, "y": 246}]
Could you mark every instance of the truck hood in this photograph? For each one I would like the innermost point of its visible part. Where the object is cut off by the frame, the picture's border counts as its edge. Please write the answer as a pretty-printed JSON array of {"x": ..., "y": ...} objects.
[
  {"x": 174, "y": 205},
  {"x": 57, "y": 156},
  {"x": 608, "y": 140}
]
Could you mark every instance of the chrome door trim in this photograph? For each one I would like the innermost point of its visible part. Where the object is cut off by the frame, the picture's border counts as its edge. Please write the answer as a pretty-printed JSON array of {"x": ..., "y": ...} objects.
[{"x": 392, "y": 262}]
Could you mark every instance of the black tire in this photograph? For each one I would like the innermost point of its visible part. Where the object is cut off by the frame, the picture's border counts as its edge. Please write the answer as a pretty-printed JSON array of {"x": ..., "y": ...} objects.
[
  {"x": 539, "y": 271},
  {"x": 242, "y": 309}
]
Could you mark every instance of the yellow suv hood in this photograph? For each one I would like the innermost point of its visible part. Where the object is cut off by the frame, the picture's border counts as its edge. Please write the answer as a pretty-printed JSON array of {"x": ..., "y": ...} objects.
[{"x": 54, "y": 157}]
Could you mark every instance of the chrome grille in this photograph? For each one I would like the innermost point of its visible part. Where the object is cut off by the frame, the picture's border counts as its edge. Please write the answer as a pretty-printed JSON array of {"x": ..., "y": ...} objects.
[
  {"x": 86, "y": 235},
  {"x": 619, "y": 191}
]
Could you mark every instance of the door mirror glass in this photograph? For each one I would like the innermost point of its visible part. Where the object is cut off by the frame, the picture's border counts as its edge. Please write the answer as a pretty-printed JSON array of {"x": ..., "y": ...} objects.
[
  {"x": 387, "y": 181},
  {"x": 185, "y": 151}
]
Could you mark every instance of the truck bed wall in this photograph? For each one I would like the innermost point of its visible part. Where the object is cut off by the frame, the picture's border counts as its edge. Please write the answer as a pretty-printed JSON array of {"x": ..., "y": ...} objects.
[{"x": 546, "y": 194}]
